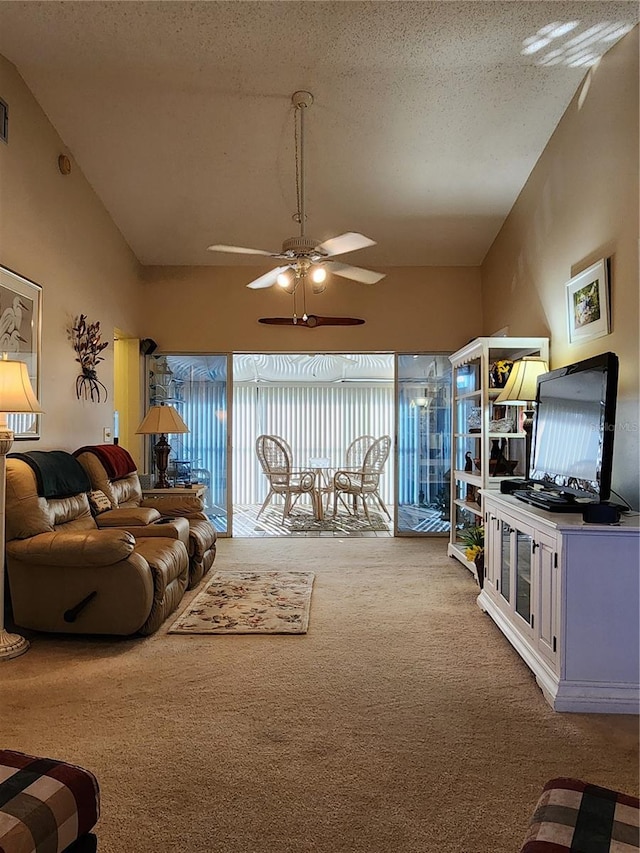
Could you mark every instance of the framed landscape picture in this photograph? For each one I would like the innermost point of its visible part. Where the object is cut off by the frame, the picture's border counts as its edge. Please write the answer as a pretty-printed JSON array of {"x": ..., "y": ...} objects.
[
  {"x": 20, "y": 330},
  {"x": 588, "y": 304}
]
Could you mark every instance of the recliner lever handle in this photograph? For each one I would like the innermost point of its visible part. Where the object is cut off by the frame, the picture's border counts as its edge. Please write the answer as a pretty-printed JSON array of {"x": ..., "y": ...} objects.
[{"x": 72, "y": 613}]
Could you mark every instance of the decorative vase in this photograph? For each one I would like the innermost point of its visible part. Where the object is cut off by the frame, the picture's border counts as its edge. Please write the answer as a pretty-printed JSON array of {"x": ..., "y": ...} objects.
[
  {"x": 479, "y": 563},
  {"x": 499, "y": 373},
  {"x": 499, "y": 465}
]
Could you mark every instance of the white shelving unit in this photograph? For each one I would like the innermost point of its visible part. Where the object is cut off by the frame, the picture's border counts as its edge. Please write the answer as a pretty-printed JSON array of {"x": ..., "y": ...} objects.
[{"x": 477, "y": 427}]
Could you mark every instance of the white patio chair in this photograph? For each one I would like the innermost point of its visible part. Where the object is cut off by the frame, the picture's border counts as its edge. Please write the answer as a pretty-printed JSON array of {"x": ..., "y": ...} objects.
[
  {"x": 274, "y": 455},
  {"x": 364, "y": 482}
]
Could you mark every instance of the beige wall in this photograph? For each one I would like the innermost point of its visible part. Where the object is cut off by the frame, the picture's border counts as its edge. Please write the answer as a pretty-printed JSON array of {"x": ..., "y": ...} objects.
[
  {"x": 55, "y": 231},
  {"x": 580, "y": 204},
  {"x": 209, "y": 309}
]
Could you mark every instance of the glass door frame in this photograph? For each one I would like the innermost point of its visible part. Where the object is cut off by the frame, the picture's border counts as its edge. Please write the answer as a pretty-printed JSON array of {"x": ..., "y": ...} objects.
[
  {"x": 149, "y": 440},
  {"x": 397, "y": 531}
]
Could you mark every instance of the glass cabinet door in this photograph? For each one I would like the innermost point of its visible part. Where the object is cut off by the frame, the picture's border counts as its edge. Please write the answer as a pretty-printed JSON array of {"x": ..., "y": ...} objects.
[
  {"x": 505, "y": 560},
  {"x": 523, "y": 575}
]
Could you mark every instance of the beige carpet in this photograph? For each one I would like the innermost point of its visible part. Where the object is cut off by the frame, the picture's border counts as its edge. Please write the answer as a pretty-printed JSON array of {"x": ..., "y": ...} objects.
[
  {"x": 253, "y": 602},
  {"x": 402, "y": 721}
]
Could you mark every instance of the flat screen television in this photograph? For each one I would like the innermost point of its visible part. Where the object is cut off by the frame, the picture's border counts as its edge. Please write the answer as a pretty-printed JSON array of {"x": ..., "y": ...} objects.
[{"x": 573, "y": 427}]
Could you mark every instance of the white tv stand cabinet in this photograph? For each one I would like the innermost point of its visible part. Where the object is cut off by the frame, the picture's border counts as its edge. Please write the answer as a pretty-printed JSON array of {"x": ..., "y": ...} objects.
[{"x": 567, "y": 597}]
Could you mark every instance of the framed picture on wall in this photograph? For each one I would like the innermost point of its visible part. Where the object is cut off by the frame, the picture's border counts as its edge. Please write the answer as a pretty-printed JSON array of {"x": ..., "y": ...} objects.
[
  {"x": 588, "y": 303},
  {"x": 20, "y": 331}
]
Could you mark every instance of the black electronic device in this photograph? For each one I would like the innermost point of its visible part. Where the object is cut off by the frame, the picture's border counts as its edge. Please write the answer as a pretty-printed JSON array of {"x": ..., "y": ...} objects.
[
  {"x": 551, "y": 501},
  {"x": 601, "y": 514},
  {"x": 573, "y": 427},
  {"x": 508, "y": 487}
]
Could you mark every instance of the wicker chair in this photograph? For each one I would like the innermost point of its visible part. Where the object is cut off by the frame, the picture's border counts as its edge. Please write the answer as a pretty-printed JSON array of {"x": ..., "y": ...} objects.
[
  {"x": 364, "y": 482},
  {"x": 357, "y": 450},
  {"x": 275, "y": 458}
]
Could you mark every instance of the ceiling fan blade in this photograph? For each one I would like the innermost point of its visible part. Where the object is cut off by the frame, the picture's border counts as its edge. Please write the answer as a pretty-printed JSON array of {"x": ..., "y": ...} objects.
[
  {"x": 312, "y": 321},
  {"x": 355, "y": 273},
  {"x": 334, "y": 321},
  {"x": 237, "y": 250},
  {"x": 349, "y": 242},
  {"x": 266, "y": 280}
]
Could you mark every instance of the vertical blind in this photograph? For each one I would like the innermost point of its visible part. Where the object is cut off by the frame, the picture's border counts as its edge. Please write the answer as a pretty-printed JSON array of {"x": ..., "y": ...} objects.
[
  {"x": 317, "y": 421},
  {"x": 204, "y": 408}
]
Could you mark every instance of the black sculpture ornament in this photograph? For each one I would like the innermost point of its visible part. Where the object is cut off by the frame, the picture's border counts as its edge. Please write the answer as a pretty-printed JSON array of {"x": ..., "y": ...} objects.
[{"x": 86, "y": 342}]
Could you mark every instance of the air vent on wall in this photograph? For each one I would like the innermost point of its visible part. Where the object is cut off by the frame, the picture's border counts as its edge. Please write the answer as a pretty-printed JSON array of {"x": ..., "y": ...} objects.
[{"x": 4, "y": 121}]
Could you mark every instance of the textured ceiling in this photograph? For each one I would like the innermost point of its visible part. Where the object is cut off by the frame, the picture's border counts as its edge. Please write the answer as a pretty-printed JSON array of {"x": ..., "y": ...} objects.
[{"x": 428, "y": 116}]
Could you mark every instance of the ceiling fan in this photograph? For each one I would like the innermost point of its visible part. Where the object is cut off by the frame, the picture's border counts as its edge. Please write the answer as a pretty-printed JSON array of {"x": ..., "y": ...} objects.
[
  {"x": 304, "y": 257},
  {"x": 311, "y": 321}
]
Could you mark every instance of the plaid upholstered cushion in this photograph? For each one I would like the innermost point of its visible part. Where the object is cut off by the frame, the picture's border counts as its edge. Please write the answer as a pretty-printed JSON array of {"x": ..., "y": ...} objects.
[
  {"x": 45, "y": 805},
  {"x": 574, "y": 816}
]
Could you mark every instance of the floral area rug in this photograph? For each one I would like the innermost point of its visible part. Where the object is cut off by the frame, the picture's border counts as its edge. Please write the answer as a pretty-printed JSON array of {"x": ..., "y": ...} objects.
[{"x": 249, "y": 603}]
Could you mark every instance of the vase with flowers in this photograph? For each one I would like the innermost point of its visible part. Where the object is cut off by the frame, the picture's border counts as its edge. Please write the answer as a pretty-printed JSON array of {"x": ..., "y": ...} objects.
[{"x": 473, "y": 539}]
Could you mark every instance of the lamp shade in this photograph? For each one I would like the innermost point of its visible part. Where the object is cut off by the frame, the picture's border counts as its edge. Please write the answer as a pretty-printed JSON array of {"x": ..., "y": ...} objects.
[
  {"x": 16, "y": 393},
  {"x": 163, "y": 420},
  {"x": 522, "y": 383}
]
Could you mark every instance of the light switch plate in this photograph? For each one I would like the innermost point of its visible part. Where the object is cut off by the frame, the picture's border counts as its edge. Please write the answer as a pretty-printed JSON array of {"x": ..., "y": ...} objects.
[{"x": 106, "y": 434}]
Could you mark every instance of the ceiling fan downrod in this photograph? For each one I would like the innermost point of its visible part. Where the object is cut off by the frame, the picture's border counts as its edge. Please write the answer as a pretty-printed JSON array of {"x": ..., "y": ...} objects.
[{"x": 301, "y": 100}]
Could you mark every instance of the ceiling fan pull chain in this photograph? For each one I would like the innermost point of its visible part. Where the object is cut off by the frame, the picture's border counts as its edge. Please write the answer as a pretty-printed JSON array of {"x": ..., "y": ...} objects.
[{"x": 295, "y": 315}]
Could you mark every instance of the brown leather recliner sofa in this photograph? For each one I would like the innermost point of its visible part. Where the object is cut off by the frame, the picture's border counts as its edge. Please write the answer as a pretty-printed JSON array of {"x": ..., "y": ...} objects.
[
  {"x": 65, "y": 574},
  {"x": 112, "y": 471}
]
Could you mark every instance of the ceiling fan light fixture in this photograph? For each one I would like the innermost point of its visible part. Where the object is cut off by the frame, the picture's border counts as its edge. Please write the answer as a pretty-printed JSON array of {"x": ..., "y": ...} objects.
[
  {"x": 318, "y": 274},
  {"x": 285, "y": 278}
]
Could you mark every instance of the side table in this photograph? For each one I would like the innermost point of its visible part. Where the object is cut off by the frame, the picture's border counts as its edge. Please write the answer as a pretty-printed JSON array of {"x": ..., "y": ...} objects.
[{"x": 197, "y": 491}]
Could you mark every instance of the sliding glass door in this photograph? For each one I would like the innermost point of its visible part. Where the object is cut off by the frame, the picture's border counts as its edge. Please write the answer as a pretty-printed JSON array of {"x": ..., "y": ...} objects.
[
  {"x": 197, "y": 386},
  {"x": 423, "y": 418}
]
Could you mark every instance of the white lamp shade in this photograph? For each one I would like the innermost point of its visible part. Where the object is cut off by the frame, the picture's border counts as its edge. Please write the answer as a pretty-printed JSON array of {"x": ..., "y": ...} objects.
[
  {"x": 521, "y": 386},
  {"x": 16, "y": 393},
  {"x": 161, "y": 419}
]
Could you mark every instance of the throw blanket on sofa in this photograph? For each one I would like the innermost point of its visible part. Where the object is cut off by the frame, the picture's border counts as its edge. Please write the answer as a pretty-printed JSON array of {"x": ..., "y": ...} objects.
[
  {"x": 58, "y": 474},
  {"x": 116, "y": 460}
]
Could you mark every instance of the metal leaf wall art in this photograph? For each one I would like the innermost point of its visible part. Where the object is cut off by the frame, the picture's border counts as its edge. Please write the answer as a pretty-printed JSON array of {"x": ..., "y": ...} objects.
[{"x": 86, "y": 342}]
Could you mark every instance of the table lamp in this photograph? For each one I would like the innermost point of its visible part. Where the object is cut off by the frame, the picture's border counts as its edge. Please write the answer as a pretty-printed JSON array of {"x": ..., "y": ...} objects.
[
  {"x": 520, "y": 390},
  {"x": 163, "y": 420},
  {"x": 16, "y": 395}
]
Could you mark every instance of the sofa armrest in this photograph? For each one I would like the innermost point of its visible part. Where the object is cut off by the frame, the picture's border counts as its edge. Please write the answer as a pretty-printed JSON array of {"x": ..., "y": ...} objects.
[
  {"x": 86, "y": 548},
  {"x": 127, "y": 516},
  {"x": 165, "y": 528},
  {"x": 188, "y": 506}
]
